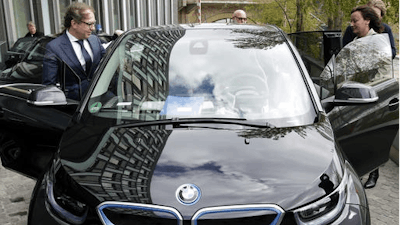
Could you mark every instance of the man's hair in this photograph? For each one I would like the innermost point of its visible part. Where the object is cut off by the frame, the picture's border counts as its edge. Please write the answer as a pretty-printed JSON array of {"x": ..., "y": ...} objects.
[
  {"x": 369, "y": 14},
  {"x": 75, "y": 12},
  {"x": 30, "y": 23},
  {"x": 238, "y": 12},
  {"x": 378, "y": 4}
]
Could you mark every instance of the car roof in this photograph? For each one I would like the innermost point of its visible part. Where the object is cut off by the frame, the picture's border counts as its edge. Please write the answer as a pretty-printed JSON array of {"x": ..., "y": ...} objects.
[
  {"x": 210, "y": 26},
  {"x": 230, "y": 26}
]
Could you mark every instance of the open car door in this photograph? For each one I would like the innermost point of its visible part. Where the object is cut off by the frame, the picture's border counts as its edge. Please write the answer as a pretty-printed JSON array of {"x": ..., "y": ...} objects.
[
  {"x": 365, "y": 125},
  {"x": 33, "y": 118}
]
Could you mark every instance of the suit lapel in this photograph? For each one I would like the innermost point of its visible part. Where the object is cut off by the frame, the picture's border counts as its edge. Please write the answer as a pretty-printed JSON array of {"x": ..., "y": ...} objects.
[
  {"x": 95, "y": 48},
  {"x": 71, "y": 59}
]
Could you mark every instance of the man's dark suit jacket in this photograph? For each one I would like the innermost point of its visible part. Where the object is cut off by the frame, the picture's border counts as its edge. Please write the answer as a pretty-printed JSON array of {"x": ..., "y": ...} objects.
[
  {"x": 60, "y": 49},
  {"x": 37, "y": 34}
]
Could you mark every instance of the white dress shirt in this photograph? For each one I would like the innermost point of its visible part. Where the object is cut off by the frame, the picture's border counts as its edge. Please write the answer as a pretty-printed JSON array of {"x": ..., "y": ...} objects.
[{"x": 78, "y": 50}]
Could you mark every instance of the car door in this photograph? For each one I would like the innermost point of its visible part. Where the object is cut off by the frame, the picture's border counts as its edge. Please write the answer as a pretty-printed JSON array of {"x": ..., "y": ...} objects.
[
  {"x": 29, "y": 134},
  {"x": 366, "y": 132}
]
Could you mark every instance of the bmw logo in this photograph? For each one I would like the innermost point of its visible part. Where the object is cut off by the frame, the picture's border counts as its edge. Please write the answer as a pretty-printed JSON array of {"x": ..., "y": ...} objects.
[{"x": 188, "y": 194}]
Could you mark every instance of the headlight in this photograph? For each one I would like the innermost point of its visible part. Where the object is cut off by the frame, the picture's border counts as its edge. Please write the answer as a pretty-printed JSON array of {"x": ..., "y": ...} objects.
[
  {"x": 329, "y": 208},
  {"x": 65, "y": 206},
  {"x": 326, "y": 209}
]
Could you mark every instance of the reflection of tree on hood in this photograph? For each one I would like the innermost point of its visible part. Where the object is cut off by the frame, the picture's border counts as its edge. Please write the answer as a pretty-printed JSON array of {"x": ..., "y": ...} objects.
[{"x": 321, "y": 127}]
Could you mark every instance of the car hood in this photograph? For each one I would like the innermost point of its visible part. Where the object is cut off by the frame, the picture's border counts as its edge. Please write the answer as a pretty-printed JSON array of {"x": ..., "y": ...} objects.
[{"x": 229, "y": 166}]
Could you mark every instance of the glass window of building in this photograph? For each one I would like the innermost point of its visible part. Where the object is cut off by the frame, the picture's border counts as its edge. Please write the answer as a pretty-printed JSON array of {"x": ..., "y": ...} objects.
[
  {"x": 116, "y": 14},
  {"x": 133, "y": 15},
  {"x": 21, "y": 16},
  {"x": 161, "y": 11}
]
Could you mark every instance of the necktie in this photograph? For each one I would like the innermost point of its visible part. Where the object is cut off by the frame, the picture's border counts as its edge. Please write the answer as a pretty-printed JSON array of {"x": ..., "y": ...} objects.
[{"x": 86, "y": 56}]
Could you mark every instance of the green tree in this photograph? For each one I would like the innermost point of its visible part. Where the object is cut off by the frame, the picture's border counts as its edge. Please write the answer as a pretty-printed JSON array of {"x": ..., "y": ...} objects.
[{"x": 308, "y": 15}]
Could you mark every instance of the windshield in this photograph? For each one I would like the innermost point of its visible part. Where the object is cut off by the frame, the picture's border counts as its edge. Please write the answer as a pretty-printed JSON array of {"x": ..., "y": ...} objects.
[
  {"x": 22, "y": 44},
  {"x": 219, "y": 73}
]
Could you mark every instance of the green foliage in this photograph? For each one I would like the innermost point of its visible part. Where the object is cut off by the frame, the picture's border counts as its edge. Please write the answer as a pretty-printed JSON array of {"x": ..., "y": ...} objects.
[
  {"x": 315, "y": 13},
  {"x": 280, "y": 13},
  {"x": 392, "y": 14}
]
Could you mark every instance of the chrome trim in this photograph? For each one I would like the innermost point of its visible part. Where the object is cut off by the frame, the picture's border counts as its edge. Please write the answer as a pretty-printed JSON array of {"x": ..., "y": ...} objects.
[
  {"x": 45, "y": 103},
  {"x": 193, "y": 200},
  {"x": 236, "y": 208},
  {"x": 218, "y": 209},
  {"x": 393, "y": 104},
  {"x": 357, "y": 100},
  {"x": 136, "y": 206}
]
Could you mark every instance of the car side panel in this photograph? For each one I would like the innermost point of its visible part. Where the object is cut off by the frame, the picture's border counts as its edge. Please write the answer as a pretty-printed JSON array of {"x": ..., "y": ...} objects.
[{"x": 366, "y": 132}]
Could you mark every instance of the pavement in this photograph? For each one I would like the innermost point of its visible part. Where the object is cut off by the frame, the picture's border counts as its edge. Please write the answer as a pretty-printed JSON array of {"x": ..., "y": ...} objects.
[{"x": 16, "y": 190}]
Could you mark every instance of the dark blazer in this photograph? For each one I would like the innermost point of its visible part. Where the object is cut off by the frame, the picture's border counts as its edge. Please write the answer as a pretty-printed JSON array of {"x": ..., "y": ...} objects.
[
  {"x": 349, "y": 37},
  {"x": 37, "y": 34},
  {"x": 60, "y": 49}
]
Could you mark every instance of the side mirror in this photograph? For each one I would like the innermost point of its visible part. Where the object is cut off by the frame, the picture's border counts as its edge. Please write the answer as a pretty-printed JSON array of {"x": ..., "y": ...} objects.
[
  {"x": 355, "y": 93},
  {"x": 47, "y": 96}
]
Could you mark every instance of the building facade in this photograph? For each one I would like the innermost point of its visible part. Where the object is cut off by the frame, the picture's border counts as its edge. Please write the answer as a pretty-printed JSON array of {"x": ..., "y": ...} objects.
[{"x": 110, "y": 14}]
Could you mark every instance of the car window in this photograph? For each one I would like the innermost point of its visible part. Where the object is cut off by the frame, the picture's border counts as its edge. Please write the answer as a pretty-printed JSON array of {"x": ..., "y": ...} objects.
[
  {"x": 203, "y": 74},
  {"x": 22, "y": 44},
  {"x": 366, "y": 60},
  {"x": 38, "y": 51}
]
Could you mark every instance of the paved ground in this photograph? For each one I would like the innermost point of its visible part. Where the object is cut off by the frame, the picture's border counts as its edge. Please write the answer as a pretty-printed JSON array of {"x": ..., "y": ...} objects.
[
  {"x": 384, "y": 197},
  {"x": 15, "y": 192}
]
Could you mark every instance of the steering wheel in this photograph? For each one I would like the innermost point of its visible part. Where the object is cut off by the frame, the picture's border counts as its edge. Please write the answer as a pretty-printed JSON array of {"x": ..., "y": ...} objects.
[{"x": 246, "y": 84}]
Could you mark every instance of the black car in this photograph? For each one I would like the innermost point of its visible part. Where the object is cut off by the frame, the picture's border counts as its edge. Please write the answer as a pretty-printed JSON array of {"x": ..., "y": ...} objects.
[
  {"x": 204, "y": 124},
  {"x": 18, "y": 50},
  {"x": 26, "y": 64}
]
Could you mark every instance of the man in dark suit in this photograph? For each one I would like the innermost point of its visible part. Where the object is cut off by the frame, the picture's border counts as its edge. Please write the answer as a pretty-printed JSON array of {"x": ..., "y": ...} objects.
[{"x": 76, "y": 47}]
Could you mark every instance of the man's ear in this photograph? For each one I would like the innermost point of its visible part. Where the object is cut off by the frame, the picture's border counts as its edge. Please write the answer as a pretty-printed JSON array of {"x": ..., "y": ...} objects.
[{"x": 73, "y": 22}]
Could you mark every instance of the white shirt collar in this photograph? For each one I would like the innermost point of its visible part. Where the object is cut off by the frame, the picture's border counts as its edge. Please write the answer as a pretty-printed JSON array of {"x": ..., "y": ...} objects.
[
  {"x": 71, "y": 37},
  {"x": 370, "y": 32}
]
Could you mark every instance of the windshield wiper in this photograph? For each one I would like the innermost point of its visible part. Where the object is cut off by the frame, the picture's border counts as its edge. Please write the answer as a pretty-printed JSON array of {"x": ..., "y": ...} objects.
[{"x": 177, "y": 122}]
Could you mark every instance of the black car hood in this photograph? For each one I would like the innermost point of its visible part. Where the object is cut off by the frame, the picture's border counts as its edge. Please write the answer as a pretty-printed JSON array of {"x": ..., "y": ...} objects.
[{"x": 147, "y": 165}]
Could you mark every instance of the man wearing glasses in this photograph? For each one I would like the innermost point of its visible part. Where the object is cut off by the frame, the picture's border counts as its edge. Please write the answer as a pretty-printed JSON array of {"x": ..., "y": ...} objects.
[
  {"x": 239, "y": 16},
  {"x": 77, "y": 48}
]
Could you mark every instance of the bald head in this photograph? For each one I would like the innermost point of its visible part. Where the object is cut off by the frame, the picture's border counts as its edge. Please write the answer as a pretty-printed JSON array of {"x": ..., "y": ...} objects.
[{"x": 239, "y": 16}]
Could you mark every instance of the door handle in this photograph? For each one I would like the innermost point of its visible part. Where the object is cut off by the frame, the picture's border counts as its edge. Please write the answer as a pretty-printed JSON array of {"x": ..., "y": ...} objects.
[{"x": 394, "y": 104}]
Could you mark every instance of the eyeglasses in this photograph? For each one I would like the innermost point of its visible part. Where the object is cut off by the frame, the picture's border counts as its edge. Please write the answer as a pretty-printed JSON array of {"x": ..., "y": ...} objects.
[
  {"x": 89, "y": 24},
  {"x": 241, "y": 18}
]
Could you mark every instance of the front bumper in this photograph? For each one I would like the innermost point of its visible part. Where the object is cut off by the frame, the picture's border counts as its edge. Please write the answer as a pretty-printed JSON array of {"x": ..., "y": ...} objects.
[{"x": 41, "y": 211}]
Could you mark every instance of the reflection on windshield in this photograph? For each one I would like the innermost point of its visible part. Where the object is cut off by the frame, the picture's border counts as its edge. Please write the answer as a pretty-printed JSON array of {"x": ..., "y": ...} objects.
[{"x": 204, "y": 74}]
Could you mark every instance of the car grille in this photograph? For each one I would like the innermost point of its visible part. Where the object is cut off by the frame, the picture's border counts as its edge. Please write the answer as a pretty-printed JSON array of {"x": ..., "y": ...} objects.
[{"x": 119, "y": 213}]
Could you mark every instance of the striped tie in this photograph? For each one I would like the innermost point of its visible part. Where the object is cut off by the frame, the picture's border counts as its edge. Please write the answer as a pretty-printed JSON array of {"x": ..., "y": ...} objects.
[{"x": 86, "y": 56}]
